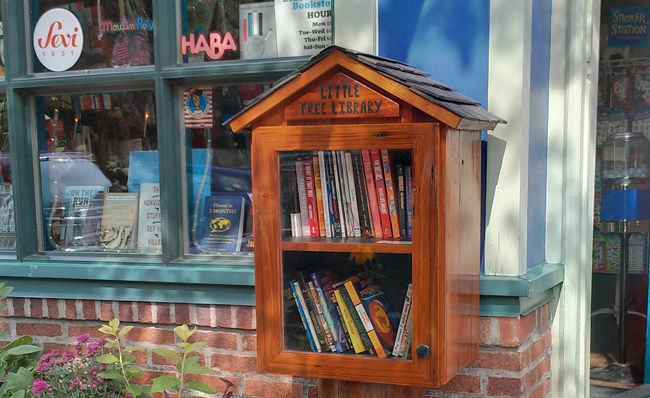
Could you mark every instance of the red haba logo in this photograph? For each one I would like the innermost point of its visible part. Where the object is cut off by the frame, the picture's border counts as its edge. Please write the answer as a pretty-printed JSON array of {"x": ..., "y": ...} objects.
[
  {"x": 214, "y": 46},
  {"x": 56, "y": 40}
]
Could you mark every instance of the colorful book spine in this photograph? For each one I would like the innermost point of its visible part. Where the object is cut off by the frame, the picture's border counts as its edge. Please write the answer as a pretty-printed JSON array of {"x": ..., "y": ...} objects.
[
  {"x": 313, "y": 311},
  {"x": 354, "y": 205},
  {"x": 365, "y": 223},
  {"x": 372, "y": 193},
  {"x": 306, "y": 320},
  {"x": 318, "y": 187},
  {"x": 334, "y": 202},
  {"x": 345, "y": 193},
  {"x": 409, "y": 200},
  {"x": 321, "y": 317},
  {"x": 401, "y": 194},
  {"x": 390, "y": 193},
  {"x": 346, "y": 340},
  {"x": 375, "y": 157},
  {"x": 327, "y": 314},
  {"x": 406, "y": 337},
  {"x": 302, "y": 197},
  {"x": 327, "y": 198},
  {"x": 402, "y": 321},
  {"x": 365, "y": 319},
  {"x": 379, "y": 310},
  {"x": 337, "y": 187},
  {"x": 345, "y": 304},
  {"x": 312, "y": 206}
]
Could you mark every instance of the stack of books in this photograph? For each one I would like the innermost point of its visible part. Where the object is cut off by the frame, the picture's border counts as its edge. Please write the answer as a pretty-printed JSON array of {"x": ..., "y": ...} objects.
[
  {"x": 356, "y": 193},
  {"x": 350, "y": 315}
]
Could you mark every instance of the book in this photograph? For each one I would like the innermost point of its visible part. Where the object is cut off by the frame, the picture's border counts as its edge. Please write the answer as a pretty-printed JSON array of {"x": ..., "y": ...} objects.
[
  {"x": 401, "y": 195},
  {"x": 325, "y": 327},
  {"x": 346, "y": 341},
  {"x": 406, "y": 336},
  {"x": 318, "y": 187},
  {"x": 327, "y": 198},
  {"x": 304, "y": 316},
  {"x": 379, "y": 310},
  {"x": 372, "y": 193},
  {"x": 222, "y": 224},
  {"x": 83, "y": 215},
  {"x": 365, "y": 223},
  {"x": 118, "y": 222},
  {"x": 357, "y": 323},
  {"x": 333, "y": 197},
  {"x": 349, "y": 323},
  {"x": 409, "y": 200},
  {"x": 390, "y": 193},
  {"x": 365, "y": 319},
  {"x": 340, "y": 198},
  {"x": 302, "y": 197},
  {"x": 345, "y": 193},
  {"x": 312, "y": 206},
  {"x": 382, "y": 203},
  {"x": 312, "y": 312},
  {"x": 149, "y": 218},
  {"x": 406, "y": 308},
  {"x": 352, "y": 189},
  {"x": 7, "y": 218},
  {"x": 323, "y": 280}
]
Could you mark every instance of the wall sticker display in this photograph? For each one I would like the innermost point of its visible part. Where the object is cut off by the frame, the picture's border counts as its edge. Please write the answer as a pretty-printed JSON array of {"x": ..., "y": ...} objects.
[
  {"x": 92, "y": 34},
  {"x": 98, "y": 190}
]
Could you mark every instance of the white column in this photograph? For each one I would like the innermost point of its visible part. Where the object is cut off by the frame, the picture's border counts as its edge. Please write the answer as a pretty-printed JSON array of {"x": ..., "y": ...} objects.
[{"x": 508, "y": 149}]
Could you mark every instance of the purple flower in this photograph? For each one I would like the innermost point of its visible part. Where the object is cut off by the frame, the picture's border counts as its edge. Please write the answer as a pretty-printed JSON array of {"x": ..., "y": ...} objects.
[
  {"x": 93, "y": 384},
  {"x": 38, "y": 386},
  {"x": 42, "y": 367},
  {"x": 93, "y": 372},
  {"x": 68, "y": 355},
  {"x": 93, "y": 347},
  {"x": 83, "y": 338}
]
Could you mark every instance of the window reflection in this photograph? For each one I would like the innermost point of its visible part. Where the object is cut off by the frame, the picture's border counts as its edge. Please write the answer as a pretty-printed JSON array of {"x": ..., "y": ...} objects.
[
  {"x": 7, "y": 218},
  {"x": 99, "y": 172}
]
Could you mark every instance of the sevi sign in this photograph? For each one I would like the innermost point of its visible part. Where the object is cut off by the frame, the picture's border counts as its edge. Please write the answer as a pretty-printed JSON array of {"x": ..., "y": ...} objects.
[{"x": 58, "y": 39}]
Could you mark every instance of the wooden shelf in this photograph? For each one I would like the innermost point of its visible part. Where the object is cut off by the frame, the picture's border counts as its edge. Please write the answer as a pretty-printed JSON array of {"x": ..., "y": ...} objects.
[{"x": 348, "y": 245}]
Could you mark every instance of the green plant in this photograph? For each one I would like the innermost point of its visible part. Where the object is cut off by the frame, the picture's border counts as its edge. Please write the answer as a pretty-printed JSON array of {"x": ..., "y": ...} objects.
[
  {"x": 184, "y": 365},
  {"x": 122, "y": 358}
]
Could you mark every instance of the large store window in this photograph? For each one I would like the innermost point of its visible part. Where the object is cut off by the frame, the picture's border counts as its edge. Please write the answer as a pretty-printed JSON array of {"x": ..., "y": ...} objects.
[
  {"x": 7, "y": 214},
  {"x": 100, "y": 186}
]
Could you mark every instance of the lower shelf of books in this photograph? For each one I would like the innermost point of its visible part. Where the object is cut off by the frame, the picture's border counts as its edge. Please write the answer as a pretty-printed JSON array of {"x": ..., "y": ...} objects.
[{"x": 354, "y": 303}]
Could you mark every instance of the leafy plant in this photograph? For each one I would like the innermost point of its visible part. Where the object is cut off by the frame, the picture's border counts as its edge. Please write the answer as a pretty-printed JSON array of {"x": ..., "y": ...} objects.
[
  {"x": 122, "y": 358},
  {"x": 185, "y": 365},
  {"x": 75, "y": 373}
]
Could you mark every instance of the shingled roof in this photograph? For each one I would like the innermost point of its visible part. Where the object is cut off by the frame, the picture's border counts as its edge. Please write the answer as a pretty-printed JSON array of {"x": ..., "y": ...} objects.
[{"x": 472, "y": 116}]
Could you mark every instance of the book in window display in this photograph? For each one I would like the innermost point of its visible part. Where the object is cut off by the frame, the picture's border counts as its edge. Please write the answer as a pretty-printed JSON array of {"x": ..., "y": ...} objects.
[
  {"x": 149, "y": 217},
  {"x": 118, "y": 223},
  {"x": 7, "y": 219},
  {"x": 222, "y": 224}
]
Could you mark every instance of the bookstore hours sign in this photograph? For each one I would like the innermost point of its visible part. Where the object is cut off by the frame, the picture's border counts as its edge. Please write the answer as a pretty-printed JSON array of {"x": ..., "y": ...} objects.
[{"x": 341, "y": 97}]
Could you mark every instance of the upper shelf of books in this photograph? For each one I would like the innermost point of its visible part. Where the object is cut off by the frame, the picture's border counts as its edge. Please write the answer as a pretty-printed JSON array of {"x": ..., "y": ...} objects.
[{"x": 341, "y": 200}]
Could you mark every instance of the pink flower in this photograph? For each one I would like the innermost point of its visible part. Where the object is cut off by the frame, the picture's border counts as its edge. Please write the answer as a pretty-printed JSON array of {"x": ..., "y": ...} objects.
[
  {"x": 69, "y": 355},
  {"x": 93, "y": 384},
  {"x": 42, "y": 367},
  {"x": 93, "y": 372},
  {"x": 38, "y": 386},
  {"x": 83, "y": 338}
]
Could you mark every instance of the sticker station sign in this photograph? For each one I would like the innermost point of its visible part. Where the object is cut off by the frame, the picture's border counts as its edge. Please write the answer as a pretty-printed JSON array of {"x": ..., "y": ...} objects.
[{"x": 341, "y": 97}]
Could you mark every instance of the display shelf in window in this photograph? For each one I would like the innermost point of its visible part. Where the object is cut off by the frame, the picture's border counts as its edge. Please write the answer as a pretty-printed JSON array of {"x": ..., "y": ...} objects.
[{"x": 366, "y": 193}]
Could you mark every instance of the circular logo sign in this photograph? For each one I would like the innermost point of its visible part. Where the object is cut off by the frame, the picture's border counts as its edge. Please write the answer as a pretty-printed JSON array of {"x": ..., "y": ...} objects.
[{"x": 58, "y": 39}]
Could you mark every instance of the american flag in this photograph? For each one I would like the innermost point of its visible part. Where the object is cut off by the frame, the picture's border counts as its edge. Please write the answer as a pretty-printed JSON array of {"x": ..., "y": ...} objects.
[{"x": 197, "y": 107}]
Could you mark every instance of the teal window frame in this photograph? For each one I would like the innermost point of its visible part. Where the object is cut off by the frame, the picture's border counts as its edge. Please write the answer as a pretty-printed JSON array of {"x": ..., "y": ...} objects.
[{"x": 172, "y": 276}]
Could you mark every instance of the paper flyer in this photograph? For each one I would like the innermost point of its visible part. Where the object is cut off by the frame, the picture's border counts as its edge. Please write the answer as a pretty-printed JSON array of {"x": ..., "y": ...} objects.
[
  {"x": 257, "y": 37},
  {"x": 306, "y": 26}
]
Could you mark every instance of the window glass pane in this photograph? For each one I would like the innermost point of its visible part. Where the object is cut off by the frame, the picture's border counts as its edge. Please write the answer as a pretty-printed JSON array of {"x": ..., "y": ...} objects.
[
  {"x": 98, "y": 34},
  {"x": 219, "y": 186},
  {"x": 7, "y": 220},
  {"x": 214, "y": 30},
  {"x": 99, "y": 172},
  {"x": 2, "y": 45}
]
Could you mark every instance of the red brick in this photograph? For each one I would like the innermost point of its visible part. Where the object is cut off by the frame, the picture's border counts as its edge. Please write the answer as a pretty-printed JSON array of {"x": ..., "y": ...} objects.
[
  {"x": 537, "y": 349},
  {"x": 141, "y": 357},
  {"x": 485, "y": 337},
  {"x": 223, "y": 316},
  {"x": 164, "y": 313},
  {"x": 147, "y": 377},
  {"x": 544, "y": 317},
  {"x": 126, "y": 311},
  {"x": 244, "y": 318},
  {"x": 182, "y": 314},
  {"x": 312, "y": 391},
  {"x": 537, "y": 392},
  {"x": 260, "y": 388},
  {"x": 89, "y": 310},
  {"x": 548, "y": 339},
  {"x": 512, "y": 361},
  {"x": 232, "y": 363},
  {"x": 37, "y": 308},
  {"x": 49, "y": 347},
  {"x": 77, "y": 330},
  {"x": 249, "y": 342},
  {"x": 215, "y": 382},
  {"x": 6, "y": 311},
  {"x": 203, "y": 317},
  {"x": 70, "y": 309},
  {"x": 226, "y": 341},
  {"x": 514, "y": 331},
  {"x": 19, "y": 307},
  {"x": 53, "y": 309},
  {"x": 4, "y": 327},
  {"x": 463, "y": 383},
  {"x": 39, "y": 329},
  {"x": 107, "y": 312},
  {"x": 145, "y": 312},
  {"x": 505, "y": 386},
  {"x": 150, "y": 335},
  {"x": 160, "y": 360}
]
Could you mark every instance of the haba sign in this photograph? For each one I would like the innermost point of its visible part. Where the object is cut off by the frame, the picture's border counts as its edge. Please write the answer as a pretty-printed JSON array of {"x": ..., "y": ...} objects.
[
  {"x": 58, "y": 39},
  {"x": 213, "y": 45},
  {"x": 341, "y": 97}
]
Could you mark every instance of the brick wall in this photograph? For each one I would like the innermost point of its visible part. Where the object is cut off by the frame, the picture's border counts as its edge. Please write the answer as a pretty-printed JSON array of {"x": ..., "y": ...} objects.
[{"x": 514, "y": 359}]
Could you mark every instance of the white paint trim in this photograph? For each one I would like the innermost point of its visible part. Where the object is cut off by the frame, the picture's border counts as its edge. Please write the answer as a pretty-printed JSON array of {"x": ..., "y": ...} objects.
[
  {"x": 507, "y": 174},
  {"x": 570, "y": 189},
  {"x": 355, "y": 25}
]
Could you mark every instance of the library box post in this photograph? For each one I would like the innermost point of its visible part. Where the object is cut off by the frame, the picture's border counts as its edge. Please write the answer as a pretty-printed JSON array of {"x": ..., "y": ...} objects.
[{"x": 367, "y": 202}]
